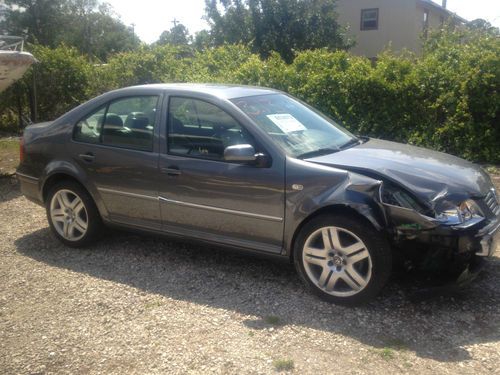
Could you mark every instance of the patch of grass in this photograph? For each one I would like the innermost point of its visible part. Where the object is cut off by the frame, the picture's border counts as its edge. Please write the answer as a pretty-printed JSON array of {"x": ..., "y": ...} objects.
[
  {"x": 273, "y": 320},
  {"x": 9, "y": 155},
  {"x": 396, "y": 344},
  {"x": 251, "y": 334},
  {"x": 9, "y": 144},
  {"x": 492, "y": 169},
  {"x": 152, "y": 305},
  {"x": 407, "y": 365},
  {"x": 283, "y": 365},
  {"x": 387, "y": 353}
]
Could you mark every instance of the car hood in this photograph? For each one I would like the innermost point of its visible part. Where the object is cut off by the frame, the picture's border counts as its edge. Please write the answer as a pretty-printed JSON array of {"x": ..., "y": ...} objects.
[{"x": 432, "y": 176}]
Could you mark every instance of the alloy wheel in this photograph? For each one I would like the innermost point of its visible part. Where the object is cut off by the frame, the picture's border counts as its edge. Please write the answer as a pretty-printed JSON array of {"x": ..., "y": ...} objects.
[
  {"x": 69, "y": 215},
  {"x": 337, "y": 261}
]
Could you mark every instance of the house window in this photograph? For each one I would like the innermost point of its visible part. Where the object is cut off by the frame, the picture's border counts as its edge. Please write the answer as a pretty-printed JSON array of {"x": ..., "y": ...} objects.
[
  {"x": 369, "y": 19},
  {"x": 425, "y": 26}
]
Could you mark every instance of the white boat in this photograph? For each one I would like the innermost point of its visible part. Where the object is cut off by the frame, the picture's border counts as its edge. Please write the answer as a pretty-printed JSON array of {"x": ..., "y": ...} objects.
[{"x": 14, "y": 62}]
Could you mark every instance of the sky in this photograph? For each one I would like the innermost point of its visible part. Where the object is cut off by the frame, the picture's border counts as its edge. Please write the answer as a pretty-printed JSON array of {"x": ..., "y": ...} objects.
[{"x": 152, "y": 17}]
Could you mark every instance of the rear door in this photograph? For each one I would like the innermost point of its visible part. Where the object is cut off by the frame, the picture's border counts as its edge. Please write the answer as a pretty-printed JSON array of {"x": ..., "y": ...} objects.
[
  {"x": 117, "y": 146},
  {"x": 204, "y": 196}
]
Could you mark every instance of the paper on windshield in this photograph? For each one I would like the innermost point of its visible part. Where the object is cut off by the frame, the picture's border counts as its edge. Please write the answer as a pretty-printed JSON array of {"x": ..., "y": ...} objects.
[{"x": 286, "y": 122}]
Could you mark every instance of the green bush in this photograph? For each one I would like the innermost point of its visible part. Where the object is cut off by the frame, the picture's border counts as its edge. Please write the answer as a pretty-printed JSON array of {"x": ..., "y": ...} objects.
[
  {"x": 459, "y": 77},
  {"x": 446, "y": 99},
  {"x": 62, "y": 79}
]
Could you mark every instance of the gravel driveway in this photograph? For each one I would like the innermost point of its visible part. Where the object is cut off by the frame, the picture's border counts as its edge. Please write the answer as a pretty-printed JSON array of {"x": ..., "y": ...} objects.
[{"x": 134, "y": 304}]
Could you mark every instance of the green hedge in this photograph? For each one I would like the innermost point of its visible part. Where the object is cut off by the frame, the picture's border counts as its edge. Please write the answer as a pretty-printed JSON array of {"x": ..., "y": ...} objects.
[{"x": 446, "y": 99}]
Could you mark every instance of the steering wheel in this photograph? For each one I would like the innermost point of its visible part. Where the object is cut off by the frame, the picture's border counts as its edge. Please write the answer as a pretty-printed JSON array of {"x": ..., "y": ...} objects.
[{"x": 249, "y": 109}]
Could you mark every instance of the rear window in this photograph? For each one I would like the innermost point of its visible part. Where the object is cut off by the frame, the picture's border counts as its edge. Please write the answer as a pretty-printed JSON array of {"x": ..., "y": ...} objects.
[
  {"x": 126, "y": 123},
  {"x": 130, "y": 123}
]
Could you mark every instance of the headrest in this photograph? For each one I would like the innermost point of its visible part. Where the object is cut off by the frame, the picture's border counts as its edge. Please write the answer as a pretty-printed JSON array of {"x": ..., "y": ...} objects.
[{"x": 113, "y": 120}]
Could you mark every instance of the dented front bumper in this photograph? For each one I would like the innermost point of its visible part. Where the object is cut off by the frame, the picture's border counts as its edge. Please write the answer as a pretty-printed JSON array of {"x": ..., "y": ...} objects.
[
  {"x": 428, "y": 244},
  {"x": 489, "y": 240},
  {"x": 480, "y": 238}
]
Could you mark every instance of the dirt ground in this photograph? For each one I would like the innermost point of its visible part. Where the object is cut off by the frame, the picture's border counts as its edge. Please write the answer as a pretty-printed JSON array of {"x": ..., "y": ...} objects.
[{"x": 135, "y": 304}]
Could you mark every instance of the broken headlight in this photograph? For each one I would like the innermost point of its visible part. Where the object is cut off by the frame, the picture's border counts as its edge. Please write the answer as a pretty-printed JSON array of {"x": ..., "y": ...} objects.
[
  {"x": 464, "y": 212},
  {"x": 395, "y": 196}
]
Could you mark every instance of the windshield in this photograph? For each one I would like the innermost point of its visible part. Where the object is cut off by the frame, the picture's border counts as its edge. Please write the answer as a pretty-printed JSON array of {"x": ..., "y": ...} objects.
[{"x": 299, "y": 130}]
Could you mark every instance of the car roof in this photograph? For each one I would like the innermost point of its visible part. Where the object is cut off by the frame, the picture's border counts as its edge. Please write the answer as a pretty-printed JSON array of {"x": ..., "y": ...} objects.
[{"x": 217, "y": 90}]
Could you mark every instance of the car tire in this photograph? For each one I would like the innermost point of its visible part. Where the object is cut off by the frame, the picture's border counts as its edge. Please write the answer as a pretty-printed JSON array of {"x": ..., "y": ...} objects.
[
  {"x": 72, "y": 214},
  {"x": 342, "y": 259}
]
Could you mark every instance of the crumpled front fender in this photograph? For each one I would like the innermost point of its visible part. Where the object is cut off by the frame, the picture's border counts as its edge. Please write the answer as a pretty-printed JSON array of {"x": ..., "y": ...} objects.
[{"x": 311, "y": 188}]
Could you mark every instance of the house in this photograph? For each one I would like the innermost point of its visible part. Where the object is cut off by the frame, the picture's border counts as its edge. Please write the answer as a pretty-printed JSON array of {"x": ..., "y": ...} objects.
[{"x": 377, "y": 24}]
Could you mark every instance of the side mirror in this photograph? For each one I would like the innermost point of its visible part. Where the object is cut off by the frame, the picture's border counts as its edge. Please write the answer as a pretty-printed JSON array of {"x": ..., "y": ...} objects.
[{"x": 240, "y": 153}]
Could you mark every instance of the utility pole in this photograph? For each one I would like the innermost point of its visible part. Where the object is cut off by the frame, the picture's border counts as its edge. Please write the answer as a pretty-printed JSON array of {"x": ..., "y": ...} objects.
[
  {"x": 175, "y": 22},
  {"x": 134, "y": 38}
]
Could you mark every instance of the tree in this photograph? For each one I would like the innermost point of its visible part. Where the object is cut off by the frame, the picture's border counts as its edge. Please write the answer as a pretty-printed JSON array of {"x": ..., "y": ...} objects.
[
  {"x": 480, "y": 24},
  {"x": 202, "y": 40},
  {"x": 97, "y": 32},
  {"x": 284, "y": 26},
  {"x": 177, "y": 36},
  {"x": 39, "y": 21},
  {"x": 88, "y": 25},
  {"x": 233, "y": 25}
]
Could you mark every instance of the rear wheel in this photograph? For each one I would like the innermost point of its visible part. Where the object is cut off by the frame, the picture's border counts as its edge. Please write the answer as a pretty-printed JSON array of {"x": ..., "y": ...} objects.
[
  {"x": 342, "y": 259},
  {"x": 72, "y": 214}
]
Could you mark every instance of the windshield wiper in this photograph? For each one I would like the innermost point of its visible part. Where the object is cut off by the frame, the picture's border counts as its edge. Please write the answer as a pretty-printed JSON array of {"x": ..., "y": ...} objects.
[
  {"x": 319, "y": 152},
  {"x": 351, "y": 142}
]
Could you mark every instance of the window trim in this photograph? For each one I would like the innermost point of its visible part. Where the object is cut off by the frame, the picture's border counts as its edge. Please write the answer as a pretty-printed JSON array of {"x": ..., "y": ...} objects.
[
  {"x": 256, "y": 144},
  {"x": 362, "y": 28},
  {"x": 106, "y": 106}
]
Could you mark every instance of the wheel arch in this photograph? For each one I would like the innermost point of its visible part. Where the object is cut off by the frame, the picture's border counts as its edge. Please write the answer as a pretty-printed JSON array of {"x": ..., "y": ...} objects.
[
  {"x": 54, "y": 179},
  {"x": 67, "y": 175},
  {"x": 343, "y": 209}
]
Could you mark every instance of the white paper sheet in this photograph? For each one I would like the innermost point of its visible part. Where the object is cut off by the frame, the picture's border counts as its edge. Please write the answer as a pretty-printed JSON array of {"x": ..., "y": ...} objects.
[{"x": 286, "y": 122}]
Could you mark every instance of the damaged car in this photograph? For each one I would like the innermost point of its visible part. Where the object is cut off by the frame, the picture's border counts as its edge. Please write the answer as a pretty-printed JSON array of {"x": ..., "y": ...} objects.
[{"x": 257, "y": 170}]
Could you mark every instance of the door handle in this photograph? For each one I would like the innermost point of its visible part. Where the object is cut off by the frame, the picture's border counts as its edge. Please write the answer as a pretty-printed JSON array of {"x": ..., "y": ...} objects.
[
  {"x": 88, "y": 157},
  {"x": 171, "y": 170}
]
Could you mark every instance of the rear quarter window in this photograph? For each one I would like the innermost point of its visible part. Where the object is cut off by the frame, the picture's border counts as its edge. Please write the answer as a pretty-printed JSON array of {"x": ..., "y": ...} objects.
[{"x": 88, "y": 129}]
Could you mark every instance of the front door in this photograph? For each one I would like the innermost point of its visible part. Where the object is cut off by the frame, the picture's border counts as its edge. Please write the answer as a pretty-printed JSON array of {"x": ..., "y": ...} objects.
[
  {"x": 116, "y": 147},
  {"x": 202, "y": 195}
]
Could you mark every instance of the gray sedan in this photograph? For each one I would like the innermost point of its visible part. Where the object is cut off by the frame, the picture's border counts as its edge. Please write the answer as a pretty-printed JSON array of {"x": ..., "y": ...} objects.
[{"x": 257, "y": 170}]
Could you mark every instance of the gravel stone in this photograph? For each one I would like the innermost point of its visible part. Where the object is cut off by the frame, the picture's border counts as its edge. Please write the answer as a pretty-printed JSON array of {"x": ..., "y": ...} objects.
[{"x": 134, "y": 304}]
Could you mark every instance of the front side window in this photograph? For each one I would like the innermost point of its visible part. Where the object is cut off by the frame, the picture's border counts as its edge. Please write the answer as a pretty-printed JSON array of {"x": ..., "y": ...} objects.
[
  {"x": 369, "y": 19},
  {"x": 298, "y": 129},
  {"x": 199, "y": 129}
]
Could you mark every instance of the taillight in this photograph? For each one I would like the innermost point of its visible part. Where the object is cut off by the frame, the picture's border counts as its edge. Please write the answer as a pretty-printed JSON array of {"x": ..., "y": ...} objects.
[{"x": 21, "y": 149}]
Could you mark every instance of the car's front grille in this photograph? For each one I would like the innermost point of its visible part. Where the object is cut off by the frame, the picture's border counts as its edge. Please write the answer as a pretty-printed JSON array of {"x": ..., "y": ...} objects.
[{"x": 491, "y": 201}]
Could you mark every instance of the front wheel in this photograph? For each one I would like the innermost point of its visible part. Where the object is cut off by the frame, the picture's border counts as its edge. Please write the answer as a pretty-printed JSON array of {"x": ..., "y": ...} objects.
[
  {"x": 72, "y": 214},
  {"x": 342, "y": 259}
]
